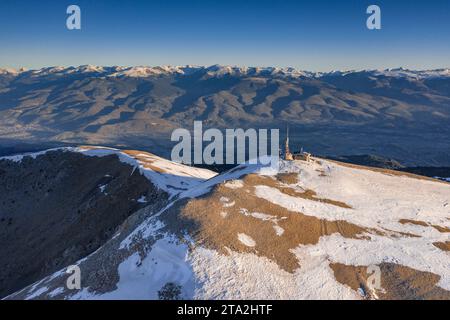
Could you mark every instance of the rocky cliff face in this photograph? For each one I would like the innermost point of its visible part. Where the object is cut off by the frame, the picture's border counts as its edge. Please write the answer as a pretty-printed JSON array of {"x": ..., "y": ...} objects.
[{"x": 61, "y": 206}]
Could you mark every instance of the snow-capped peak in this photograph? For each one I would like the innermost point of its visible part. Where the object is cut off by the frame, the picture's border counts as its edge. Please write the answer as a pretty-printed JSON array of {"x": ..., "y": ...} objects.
[{"x": 220, "y": 71}]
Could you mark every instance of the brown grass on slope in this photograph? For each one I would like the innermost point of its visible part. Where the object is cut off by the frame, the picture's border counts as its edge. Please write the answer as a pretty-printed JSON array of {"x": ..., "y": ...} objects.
[
  {"x": 399, "y": 282},
  {"x": 216, "y": 219},
  {"x": 424, "y": 224}
]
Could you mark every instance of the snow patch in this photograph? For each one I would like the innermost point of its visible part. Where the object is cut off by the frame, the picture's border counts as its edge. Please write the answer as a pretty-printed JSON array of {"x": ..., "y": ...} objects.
[
  {"x": 234, "y": 184},
  {"x": 142, "y": 199},
  {"x": 415, "y": 253},
  {"x": 36, "y": 293},
  {"x": 223, "y": 214},
  {"x": 278, "y": 230},
  {"x": 102, "y": 188},
  {"x": 55, "y": 292},
  {"x": 246, "y": 240},
  {"x": 226, "y": 202},
  {"x": 141, "y": 279},
  {"x": 145, "y": 230},
  {"x": 247, "y": 276}
]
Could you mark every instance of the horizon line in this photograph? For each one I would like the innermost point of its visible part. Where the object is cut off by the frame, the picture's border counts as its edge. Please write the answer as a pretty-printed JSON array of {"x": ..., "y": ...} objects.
[{"x": 25, "y": 69}]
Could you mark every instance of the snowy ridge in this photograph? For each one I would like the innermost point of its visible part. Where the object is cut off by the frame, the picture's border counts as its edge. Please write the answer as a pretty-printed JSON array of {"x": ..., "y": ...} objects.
[
  {"x": 33, "y": 155},
  {"x": 371, "y": 196},
  {"x": 219, "y": 71},
  {"x": 231, "y": 175},
  {"x": 167, "y": 175},
  {"x": 405, "y": 73},
  {"x": 377, "y": 202}
]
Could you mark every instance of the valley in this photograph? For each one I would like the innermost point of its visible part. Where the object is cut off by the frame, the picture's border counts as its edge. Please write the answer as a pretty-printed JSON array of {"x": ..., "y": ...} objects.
[{"x": 399, "y": 114}]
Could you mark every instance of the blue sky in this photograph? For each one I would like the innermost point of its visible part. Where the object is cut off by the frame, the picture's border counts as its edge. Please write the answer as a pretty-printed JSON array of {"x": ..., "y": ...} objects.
[{"x": 315, "y": 35}]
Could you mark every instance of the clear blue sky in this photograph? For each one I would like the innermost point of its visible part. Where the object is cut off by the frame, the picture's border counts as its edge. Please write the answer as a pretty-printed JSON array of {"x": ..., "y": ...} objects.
[{"x": 314, "y": 35}]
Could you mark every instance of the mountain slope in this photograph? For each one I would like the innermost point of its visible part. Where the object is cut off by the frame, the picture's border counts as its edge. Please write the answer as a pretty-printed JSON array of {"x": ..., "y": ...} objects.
[{"x": 309, "y": 230}]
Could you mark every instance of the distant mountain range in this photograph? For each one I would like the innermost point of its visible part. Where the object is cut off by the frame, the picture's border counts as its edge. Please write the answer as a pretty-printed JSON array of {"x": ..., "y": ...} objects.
[
  {"x": 218, "y": 70},
  {"x": 397, "y": 113}
]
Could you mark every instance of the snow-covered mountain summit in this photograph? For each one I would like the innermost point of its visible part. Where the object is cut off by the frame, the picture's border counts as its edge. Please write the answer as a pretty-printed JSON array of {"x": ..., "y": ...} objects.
[{"x": 310, "y": 230}]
